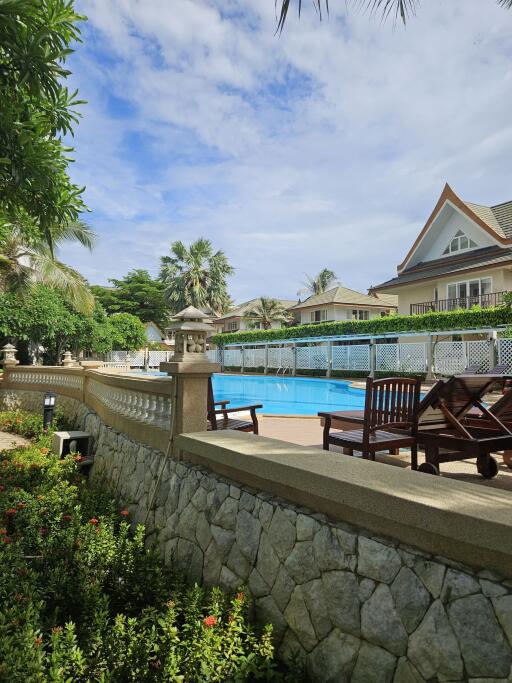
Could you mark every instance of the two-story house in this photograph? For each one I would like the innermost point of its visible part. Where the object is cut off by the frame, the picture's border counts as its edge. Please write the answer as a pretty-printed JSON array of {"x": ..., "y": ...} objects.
[
  {"x": 462, "y": 257},
  {"x": 341, "y": 303},
  {"x": 235, "y": 320}
]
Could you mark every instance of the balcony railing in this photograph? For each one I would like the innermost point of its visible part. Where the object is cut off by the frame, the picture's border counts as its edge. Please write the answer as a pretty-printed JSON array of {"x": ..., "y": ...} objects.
[{"x": 483, "y": 300}]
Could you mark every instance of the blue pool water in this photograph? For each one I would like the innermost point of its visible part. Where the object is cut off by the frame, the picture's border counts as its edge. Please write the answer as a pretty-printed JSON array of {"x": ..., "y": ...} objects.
[{"x": 287, "y": 395}]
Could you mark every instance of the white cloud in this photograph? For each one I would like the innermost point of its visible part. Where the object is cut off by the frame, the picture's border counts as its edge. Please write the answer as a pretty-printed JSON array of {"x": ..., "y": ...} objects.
[{"x": 326, "y": 146}]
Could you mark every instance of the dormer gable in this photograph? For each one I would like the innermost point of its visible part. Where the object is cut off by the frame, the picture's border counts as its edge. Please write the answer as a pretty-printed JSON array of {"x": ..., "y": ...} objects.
[{"x": 455, "y": 227}]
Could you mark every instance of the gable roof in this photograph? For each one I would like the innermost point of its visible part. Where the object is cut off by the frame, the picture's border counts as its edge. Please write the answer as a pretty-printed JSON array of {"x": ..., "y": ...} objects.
[
  {"x": 242, "y": 309},
  {"x": 387, "y": 299},
  {"x": 495, "y": 220},
  {"x": 341, "y": 295}
]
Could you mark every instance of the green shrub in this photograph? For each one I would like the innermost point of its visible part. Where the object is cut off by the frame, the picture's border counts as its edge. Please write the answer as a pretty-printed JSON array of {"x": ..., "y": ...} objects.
[
  {"x": 28, "y": 424},
  {"x": 82, "y": 599},
  {"x": 463, "y": 319}
]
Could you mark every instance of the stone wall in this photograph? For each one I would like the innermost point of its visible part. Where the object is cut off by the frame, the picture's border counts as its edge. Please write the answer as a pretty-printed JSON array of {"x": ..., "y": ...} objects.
[{"x": 352, "y": 605}]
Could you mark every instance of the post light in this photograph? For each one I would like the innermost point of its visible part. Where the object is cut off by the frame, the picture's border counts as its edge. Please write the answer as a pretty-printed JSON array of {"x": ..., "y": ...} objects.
[{"x": 48, "y": 408}]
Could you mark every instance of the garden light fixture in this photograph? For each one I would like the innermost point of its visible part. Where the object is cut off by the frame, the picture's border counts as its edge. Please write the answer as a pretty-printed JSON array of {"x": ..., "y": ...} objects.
[{"x": 48, "y": 408}]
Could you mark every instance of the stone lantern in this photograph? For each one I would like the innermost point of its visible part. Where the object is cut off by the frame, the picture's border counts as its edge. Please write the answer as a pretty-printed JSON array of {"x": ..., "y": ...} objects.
[
  {"x": 67, "y": 360},
  {"x": 190, "y": 329},
  {"x": 9, "y": 356}
]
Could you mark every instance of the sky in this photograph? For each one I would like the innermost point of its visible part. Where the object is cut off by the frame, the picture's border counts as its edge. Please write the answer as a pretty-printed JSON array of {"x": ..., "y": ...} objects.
[{"x": 326, "y": 146}]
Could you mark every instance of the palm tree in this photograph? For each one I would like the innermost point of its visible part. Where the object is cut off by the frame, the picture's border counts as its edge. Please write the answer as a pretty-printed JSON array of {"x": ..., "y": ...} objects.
[
  {"x": 402, "y": 9},
  {"x": 266, "y": 311},
  {"x": 196, "y": 277},
  {"x": 26, "y": 261},
  {"x": 319, "y": 284}
]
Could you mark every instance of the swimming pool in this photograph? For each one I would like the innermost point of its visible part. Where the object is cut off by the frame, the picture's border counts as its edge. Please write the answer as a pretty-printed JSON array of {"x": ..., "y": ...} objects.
[{"x": 287, "y": 395}]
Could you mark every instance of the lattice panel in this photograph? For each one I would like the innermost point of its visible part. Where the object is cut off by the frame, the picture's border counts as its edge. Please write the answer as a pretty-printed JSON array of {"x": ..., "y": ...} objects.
[
  {"x": 479, "y": 352},
  {"x": 157, "y": 357},
  {"x": 135, "y": 359},
  {"x": 312, "y": 357},
  {"x": 254, "y": 358},
  {"x": 387, "y": 357},
  {"x": 505, "y": 352},
  {"x": 359, "y": 357},
  {"x": 214, "y": 355},
  {"x": 274, "y": 357},
  {"x": 233, "y": 358},
  {"x": 116, "y": 356},
  {"x": 450, "y": 357},
  {"x": 413, "y": 357},
  {"x": 340, "y": 358}
]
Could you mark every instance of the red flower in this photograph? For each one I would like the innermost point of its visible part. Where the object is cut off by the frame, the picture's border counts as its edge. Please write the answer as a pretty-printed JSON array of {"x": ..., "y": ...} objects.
[
  {"x": 124, "y": 513},
  {"x": 93, "y": 521},
  {"x": 210, "y": 621},
  {"x": 240, "y": 597},
  {"x": 45, "y": 451},
  {"x": 21, "y": 506},
  {"x": 43, "y": 530},
  {"x": 3, "y": 532},
  {"x": 97, "y": 530},
  {"x": 11, "y": 511},
  {"x": 38, "y": 641},
  {"x": 57, "y": 629},
  {"x": 78, "y": 458},
  {"x": 6, "y": 539},
  {"x": 66, "y": 518}
]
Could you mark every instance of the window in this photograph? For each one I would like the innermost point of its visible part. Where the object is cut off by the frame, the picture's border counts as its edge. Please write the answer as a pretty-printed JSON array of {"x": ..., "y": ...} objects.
[
  {"x": 460, "y": 242},
  {"x": 319, "y": 316},
  {"x": 360, "y": 315},
  {"x": 471, "y": 291},
  {"x": 233, "y": 326}
]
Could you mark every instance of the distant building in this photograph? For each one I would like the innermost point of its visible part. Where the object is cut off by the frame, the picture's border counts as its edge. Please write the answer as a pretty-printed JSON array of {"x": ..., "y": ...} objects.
[
  {"x": 235, "y": 320},
  {"x": 341, "y": 303}
]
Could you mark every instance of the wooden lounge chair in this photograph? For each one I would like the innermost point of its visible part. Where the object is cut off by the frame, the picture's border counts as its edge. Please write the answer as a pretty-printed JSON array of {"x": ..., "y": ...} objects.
[
  {"x": 390, "y": 419},
  {"x": 226, "y": 422},
  {"x": 446, "y": 433},
  {"x": 502, "y": 409}
]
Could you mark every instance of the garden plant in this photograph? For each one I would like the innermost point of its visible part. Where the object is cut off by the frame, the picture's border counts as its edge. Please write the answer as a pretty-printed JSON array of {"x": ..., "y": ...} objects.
[{"x": 83, "y": 599}]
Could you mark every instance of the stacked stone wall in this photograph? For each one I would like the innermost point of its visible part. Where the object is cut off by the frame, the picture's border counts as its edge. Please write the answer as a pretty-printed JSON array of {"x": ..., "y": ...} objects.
[{"x": 353, "y": 606}]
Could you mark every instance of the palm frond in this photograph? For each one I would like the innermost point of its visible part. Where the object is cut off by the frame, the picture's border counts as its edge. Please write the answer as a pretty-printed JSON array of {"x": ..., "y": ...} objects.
[
  {"x": 398, "y": 9},
  {"x": 79, "y": 231}
]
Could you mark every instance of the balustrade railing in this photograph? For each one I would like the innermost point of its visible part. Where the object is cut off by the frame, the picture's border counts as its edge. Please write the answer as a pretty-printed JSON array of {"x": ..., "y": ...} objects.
[{"x": 483, "y": 300}]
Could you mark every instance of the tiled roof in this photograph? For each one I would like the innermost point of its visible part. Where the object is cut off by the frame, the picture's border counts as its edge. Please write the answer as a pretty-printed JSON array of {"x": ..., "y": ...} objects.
[
  {"x": 340, "y": 295},
  {"x": 503, "y": 213},
  {"x": 388, "y": 299},
  {"x": 498, "y": 217},
  {"x": 242, "y": 309},
  {"x": 479, "y": 258}
]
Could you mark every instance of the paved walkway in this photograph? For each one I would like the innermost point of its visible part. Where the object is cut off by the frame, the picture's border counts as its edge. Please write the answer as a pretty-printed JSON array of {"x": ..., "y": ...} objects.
[
  {"x": 308, "y": 432},
  {"x": 8, "y": 441}
]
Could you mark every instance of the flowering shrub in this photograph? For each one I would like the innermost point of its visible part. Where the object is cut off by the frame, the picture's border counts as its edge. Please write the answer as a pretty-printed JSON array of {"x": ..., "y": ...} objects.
[
  {"x": 27, "y": 424},
  {"x": 82, "y": 599}
]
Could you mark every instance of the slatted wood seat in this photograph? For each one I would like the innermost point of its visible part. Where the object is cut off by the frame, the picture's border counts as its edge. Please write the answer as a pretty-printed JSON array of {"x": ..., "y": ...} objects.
[
  {"x": 389, "y": 422},
  {"x": 215, "y": 422}
]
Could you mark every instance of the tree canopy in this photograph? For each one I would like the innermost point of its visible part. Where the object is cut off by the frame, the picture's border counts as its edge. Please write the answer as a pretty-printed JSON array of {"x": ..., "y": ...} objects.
[
  {"x": 36, "y": 111},
  {"x": 266, "y": 311},
  {"x": 196, "y": 276},
  {"x": 136, "y": 293},
  {"x": 320, "y": 283},
  {"x": 127, "y": 332}
]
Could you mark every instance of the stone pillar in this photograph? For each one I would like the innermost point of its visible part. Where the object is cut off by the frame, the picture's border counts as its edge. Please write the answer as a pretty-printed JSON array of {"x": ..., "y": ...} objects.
[
  {"x": 265, "y": 369},
  {"x": 67, "y": 360},
  {"x": 191, "y": 369},
  {"x": 493, "y": 349}
]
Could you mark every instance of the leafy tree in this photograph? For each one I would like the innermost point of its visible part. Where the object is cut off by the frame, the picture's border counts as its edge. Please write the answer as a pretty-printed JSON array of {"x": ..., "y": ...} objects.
[
  {"x": 26, "y": 261},
  {"x": 196, "y": 276},
  {"x": 136, "y": 293},
  {"x": 402, "y": 9},
  {"x": 267, "y": 311},
  {"x": 127, "y": 332},
  {"x": 320, "y": 283},
  {"x": 36, "y": 110}
]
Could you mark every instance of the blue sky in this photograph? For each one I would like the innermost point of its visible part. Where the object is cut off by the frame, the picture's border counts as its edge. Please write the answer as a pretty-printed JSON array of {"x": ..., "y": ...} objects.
[{"x": 325, "y": 147}]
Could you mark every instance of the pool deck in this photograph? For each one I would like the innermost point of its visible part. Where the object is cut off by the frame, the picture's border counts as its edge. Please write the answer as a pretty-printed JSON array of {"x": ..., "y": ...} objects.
[{"x": 307, "y": 431}]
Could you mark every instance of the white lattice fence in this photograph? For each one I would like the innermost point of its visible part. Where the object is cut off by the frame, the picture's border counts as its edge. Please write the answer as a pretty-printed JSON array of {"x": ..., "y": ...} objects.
[
  {"x": 505, "y": 352},
  {"x": 387, "y": 357},
  {"x": 279, "y": 357},
  {"x": 479, "y": 353},
  {"x": 214, "y": 355},
  {"x": 340, "y": 358},
  {"x": 254, "y": 358},
  {"x": 450, "y": 357},
  {"x": 311, "y": 357},
  {"x": 359, "y": 357},
  {"x": 116, "y": 356},
  {"x": 412, "y": 357},
  {"x": 157, "y": 357},
  {"x": 233, "y": 358}
]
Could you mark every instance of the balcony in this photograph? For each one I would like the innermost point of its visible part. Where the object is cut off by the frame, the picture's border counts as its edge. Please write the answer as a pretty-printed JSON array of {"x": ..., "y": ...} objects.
[{"x": 441, "y": 305}]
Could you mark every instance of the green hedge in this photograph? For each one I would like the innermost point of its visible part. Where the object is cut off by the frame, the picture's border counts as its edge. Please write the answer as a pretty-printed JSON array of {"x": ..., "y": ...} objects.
[{"x": 430, "y": 322}]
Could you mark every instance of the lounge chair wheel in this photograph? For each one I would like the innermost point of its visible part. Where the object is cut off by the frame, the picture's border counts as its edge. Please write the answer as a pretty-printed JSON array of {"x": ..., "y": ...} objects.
[
  {"x": 428, "y": 468},
  {"x": 488, "y": 468}
]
